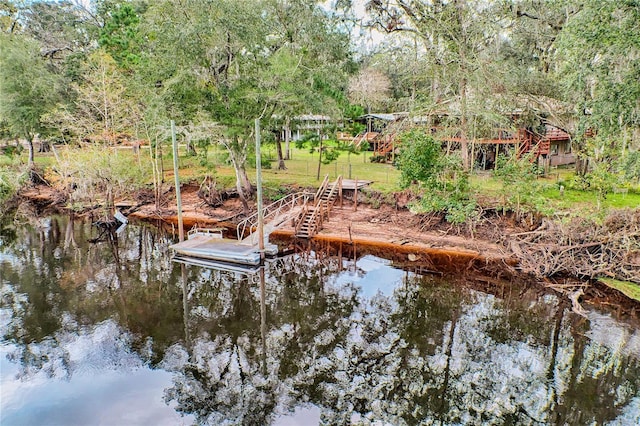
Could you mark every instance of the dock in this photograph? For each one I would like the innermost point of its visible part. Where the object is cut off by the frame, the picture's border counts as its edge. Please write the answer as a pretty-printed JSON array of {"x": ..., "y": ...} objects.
[
  {"x": 304, "y": 210},
  {"x": 210, "y": 245}
]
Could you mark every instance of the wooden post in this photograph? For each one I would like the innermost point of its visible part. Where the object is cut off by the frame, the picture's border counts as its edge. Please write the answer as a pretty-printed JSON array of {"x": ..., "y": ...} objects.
[
  {"x": 259, "y": 194},
  {"x": 175, "y": 173},
  {"x": 355, "y": 196}
]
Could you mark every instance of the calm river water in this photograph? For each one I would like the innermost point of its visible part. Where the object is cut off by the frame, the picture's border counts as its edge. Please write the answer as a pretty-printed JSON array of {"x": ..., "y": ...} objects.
[{"x": 107, "y": 332}]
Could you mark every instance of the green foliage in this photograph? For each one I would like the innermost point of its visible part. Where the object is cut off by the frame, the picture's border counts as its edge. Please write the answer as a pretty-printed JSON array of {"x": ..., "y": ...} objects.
[
  {"x": 329, "y": 154},
  {"x": 445, "y": 183},
  {"x": 11, "y": 151},
  {"x": 101, "y": 173},
  {"x": 630, "y": 166},
  {"x": 11, "y": 179},
  {"x": 28, "y": 88},
  {"x": 119, "y": 35},
  {"x": 420, "y": 159},
  {"x": 329, "y": 150},
  {"x": 520, "y": 190},
  {"x": 601, "y": 180},
  {"x": 597, "y": 55}
]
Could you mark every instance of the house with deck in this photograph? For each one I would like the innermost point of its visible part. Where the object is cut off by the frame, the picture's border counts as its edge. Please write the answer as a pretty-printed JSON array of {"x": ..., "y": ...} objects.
[{"x": 546, "y": 143}]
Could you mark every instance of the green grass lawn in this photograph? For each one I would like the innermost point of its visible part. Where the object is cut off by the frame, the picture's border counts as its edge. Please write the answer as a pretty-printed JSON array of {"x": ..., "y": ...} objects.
[
  {"x": 302, "y": 170},
  {"x": 630, "y": 289}
]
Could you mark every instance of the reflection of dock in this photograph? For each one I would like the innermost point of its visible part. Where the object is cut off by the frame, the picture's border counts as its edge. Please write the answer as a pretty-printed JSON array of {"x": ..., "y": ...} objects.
[{"x": 218, "y": 265}]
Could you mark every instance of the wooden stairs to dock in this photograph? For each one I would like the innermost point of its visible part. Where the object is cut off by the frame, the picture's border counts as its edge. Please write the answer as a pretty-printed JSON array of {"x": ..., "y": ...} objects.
[{"x": 310, "y": 220}]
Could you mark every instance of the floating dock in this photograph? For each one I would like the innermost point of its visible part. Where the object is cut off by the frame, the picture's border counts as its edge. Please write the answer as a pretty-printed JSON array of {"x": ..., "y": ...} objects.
[{"x": 209, "y": 244}]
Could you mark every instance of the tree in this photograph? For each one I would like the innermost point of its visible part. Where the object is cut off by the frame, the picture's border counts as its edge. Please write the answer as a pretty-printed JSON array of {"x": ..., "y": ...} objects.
[
  {"x": 520, "y": 190},
  {"x": 370, "y": 88},
  {"x": 102, "y": 111},
  {"x": 442, "y": 178},
  {"x": 236, "y": 61},
  {"x": 419, "y": 160},
  {"x": 28, "y": 89},
  {"x": 457, "y": 37},
  {"x": 597, "y": 60},
  {"x": 119, "y": 35}
]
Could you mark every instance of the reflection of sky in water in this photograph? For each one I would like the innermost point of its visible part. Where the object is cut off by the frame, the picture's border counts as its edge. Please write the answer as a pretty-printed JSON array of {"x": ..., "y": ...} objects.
[
  {"x": 104, "y": 382},
  {"x": 377, "y": 277},
  {"x": 105, "y": 397},
  {"x": 100, "y": 397}
]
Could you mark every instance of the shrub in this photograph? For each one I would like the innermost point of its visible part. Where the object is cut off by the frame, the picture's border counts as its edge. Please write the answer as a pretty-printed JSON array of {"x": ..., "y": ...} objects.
[{"x": 101, "y": 173}]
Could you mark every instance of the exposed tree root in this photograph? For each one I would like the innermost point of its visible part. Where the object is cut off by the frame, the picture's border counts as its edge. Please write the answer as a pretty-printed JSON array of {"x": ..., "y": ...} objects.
[{"x": 582, "y": 248}]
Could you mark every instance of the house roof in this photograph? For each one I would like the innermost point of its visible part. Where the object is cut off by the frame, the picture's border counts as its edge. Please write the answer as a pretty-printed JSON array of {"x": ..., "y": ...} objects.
[
  {"x": 554, "y": 133},
  {"x": 312, "y": 117},
  {"x": 394, "y": 116}
]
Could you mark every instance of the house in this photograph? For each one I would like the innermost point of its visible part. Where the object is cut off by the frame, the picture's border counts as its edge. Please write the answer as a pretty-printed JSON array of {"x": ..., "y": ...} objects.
[
  {"x": 548, "y": 144},
  {"x": 302, "y": 125}
]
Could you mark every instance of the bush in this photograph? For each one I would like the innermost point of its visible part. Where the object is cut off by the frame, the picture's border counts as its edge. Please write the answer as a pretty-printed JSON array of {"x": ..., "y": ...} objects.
[
  {"x": 446, "y": 183},
  {"x": 101, "y": 173},
  {"x": 11, "y": 179},
  {"x": 520, "y": 191}
]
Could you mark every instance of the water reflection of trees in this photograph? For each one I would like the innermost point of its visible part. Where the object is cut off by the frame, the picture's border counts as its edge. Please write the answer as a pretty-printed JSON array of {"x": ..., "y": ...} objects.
[
  {"x": 436, "y": 351},
  {"x": 56, "y": 284}
]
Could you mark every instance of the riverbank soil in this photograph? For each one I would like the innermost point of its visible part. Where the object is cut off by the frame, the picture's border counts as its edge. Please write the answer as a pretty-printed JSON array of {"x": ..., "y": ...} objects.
[{"x": 394, "y": 229}]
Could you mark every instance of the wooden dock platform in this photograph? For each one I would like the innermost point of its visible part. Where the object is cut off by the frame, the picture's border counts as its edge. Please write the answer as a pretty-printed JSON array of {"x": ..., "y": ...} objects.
[{"x": 213, "y": 247}]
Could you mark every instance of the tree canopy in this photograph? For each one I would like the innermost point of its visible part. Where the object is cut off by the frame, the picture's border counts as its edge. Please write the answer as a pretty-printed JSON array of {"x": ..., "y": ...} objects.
[{"x": 221, "y": 64}]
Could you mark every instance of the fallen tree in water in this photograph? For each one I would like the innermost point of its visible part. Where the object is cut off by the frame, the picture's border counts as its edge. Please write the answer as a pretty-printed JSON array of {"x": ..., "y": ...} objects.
[{"x": 582, "y": 248}]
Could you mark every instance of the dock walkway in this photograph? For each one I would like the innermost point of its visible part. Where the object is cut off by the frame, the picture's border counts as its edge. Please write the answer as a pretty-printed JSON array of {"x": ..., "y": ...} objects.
[{"x": 209, "y": 243}]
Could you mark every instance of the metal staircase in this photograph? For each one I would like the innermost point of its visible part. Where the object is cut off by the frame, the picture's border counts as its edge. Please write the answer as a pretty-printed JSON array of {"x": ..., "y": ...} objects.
[{"x": 310, "y": 218}]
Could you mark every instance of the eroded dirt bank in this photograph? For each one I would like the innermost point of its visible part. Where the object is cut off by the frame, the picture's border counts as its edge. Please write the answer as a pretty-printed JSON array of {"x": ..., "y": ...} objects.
[{"x": 413, "y": 242}]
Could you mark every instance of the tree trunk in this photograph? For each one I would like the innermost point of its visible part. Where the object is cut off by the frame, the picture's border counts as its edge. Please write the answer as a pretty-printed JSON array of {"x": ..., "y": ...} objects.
[
  {"x": 287, "y": 140},
  {"x": 239, "y": 185},
  {"x": 281, "y": 165},
  {"x": 31, "y": 151},
  {"x": 464, "y": 144},
  {"x": 463, "y": 88},
  {"x": 237, "y": 154},
  {"x": 246, "y": 183},
  {"x": 45, "y": 146}
]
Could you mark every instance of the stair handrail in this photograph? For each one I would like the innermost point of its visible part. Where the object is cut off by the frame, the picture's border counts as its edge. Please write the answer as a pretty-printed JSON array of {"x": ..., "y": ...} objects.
[
  {"x": 269, "y": 212},
  {"x": 316, "y": 216},
  {"x": 333, "y": 190},
  {"x": 322, "y": 188},
  {"x": 301, "y": 215}
]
